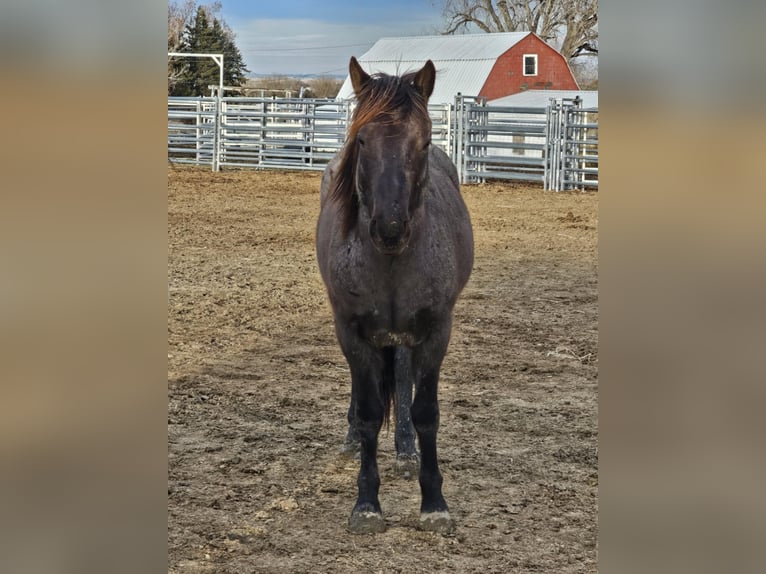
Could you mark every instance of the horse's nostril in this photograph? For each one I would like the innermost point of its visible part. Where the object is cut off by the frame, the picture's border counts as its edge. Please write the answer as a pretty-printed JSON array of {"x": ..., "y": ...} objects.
[{"x": 390, "y": 230}]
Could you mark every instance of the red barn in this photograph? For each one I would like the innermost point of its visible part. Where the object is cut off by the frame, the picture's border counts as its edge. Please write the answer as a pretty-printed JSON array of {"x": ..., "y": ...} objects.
[{"x": 489, "y": 65}]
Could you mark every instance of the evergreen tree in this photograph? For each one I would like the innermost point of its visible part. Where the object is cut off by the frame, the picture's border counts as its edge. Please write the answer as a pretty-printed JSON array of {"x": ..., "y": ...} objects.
[
  {"x": 195, "y": 75},
  {"x": 234, "y": 70}
]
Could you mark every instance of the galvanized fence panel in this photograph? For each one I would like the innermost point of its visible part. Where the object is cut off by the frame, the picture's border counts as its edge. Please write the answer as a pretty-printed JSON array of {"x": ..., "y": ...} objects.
[
  {"x": 192, "y": 130},
  {"x": 285, "y": 133},
  {"x": 441, "y": 126},
  {"x": 501, "y": 143},
  {"x": 581, "y": 151},
  {"x": 572, "y": 148},
  {"x": 556, "y": 146},
  {"x": 459, "y": 129}
]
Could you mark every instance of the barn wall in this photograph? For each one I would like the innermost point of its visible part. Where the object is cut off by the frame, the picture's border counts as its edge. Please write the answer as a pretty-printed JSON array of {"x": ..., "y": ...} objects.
[{"x": 507, "y": 76}]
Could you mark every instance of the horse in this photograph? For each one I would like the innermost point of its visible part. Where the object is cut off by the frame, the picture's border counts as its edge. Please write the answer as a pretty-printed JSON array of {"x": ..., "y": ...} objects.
[{"x": 395, "y": 248}]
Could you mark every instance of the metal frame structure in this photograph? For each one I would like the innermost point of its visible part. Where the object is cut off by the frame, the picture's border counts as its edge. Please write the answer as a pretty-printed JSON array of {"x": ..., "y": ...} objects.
[{"x": 217, "y": 58}]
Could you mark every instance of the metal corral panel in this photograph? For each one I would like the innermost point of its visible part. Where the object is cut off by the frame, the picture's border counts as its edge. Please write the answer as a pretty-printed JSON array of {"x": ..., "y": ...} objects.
[
  {"x": 556, "y": 145},
  {"x": 463, "y": 62},
  {"x": 542, "y": 98}
]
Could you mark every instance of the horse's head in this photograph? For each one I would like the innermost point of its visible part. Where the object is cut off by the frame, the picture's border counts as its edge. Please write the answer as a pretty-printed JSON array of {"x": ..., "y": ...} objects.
[{"x": 392, "y": 137}]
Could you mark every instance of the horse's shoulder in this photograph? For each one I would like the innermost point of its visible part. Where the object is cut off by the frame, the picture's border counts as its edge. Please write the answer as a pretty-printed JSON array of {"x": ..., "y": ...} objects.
[
  {"x": 328, "y": 176},
  {"x": 443, "y": 164}
]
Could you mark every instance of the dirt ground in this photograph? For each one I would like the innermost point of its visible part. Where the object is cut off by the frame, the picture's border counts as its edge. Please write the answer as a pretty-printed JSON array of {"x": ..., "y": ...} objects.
[{"x": 258, "y": 390}]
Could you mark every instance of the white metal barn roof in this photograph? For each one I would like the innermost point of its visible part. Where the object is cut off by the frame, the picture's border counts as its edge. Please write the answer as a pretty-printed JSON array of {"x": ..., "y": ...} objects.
[
  {"x": 463, "y": 63},
  {"x": 541, "y": 98}
]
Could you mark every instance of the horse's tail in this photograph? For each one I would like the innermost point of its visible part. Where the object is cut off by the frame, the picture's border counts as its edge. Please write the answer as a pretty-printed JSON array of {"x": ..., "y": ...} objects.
[{"x": 388, "y": 383}]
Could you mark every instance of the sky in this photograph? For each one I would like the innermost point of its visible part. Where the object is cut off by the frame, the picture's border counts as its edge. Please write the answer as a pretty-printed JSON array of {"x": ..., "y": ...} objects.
[{"x": 295, "y": 37}]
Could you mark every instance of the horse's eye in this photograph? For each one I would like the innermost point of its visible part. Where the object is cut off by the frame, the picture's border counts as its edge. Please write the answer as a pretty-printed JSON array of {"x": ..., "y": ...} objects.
[
  {"x": 428, "y": 144},
  {"x": 361, "y": 141}
]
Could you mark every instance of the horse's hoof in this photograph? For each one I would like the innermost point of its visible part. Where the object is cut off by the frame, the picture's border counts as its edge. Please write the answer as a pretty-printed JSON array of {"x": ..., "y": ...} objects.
[
  {"x": 407, "y": 465},
  {"x": 440, "y": 522},
  {"x": 351, "y": 451},
  {"x": 366, "y": 522}
]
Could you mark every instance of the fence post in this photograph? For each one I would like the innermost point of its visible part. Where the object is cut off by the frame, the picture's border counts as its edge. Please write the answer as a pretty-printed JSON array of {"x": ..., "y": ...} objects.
[
  {"x": 560, "y": 134},
  {"x": 580, "y": 144},
  {"x": 464, "y": 139},
  {"x": 554, "y": 144},
  {"x": 197, "y": 132},
  {"x": 457, "y": 151},
  {"x": 482, "y": 122},
  {"x": 262, "y": 132},
  {"x": 216, "y": 132},
  {"x": 450, "y": 143},
  {"x": 564, "y": 166},
  {"x": 547, "y": 148}
]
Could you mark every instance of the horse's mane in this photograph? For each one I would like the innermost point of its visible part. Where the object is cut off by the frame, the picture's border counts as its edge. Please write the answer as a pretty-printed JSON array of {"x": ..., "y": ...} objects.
[{"x": 385, "y": 97}]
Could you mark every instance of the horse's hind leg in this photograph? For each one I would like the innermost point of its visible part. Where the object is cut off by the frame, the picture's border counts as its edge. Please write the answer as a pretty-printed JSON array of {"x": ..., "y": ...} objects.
[{"x": 407, "y": 461}]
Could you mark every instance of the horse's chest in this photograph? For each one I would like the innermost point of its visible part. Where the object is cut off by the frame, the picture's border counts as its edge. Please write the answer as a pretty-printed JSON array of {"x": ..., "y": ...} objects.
[
  {"x": 387, "y": 294},
  {"x": 387, "y": 314},
  {"x": 391, "y": 303}
]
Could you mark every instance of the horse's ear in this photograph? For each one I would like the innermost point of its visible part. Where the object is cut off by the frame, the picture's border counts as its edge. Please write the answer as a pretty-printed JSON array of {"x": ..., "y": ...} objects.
[
  {"x": 358, "y": 76},
  {"x": 424, "y": 80}
]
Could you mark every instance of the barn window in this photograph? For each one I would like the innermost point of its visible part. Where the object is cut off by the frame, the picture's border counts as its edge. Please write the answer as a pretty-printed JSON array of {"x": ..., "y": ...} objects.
[{"x": 530, "y": 64}]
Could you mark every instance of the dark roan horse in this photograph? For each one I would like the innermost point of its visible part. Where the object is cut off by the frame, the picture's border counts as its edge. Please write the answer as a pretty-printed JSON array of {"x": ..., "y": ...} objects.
[{"x": 395, "y": 248}]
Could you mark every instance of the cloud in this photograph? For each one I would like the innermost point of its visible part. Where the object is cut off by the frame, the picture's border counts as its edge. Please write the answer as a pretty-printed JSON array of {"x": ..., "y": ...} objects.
[{"x": 275, "y": 46}]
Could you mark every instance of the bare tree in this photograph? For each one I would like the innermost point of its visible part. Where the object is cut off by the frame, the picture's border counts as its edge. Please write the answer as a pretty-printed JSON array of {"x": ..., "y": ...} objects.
[
  {"x": 179, "y": 15},
  {"x": 325, "y": 87},
  {"x": 572, "y": 22}
]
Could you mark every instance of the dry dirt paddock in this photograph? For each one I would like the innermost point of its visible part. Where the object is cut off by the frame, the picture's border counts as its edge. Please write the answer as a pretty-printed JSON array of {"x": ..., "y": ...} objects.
[{"x": 258, "y": 390}]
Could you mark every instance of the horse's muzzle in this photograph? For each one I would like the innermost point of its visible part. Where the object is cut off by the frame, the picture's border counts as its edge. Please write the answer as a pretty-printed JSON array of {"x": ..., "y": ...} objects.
[{"x": 390, "y": 237}]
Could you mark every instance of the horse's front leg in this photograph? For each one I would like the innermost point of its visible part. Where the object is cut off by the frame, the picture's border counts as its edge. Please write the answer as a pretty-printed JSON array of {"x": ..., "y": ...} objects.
[
  {"x": 427, "y": 359},
  {"x": 351, "y": 446},
  {"x": 406, "y": 453},
  {"x": 366, "y": 417}
]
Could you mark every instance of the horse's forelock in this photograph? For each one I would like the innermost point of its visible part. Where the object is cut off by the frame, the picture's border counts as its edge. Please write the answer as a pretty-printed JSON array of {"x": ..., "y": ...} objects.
[{"x": 383, "y": 96}]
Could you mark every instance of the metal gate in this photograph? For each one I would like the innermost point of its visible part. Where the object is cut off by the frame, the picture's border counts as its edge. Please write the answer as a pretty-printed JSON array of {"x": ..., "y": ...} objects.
[
  {"x": 572, "y": 148},
  {"x": 556, "y": 146},
  {"x": 496, "y": 142},
  {"x": 192, "y": 130}
]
